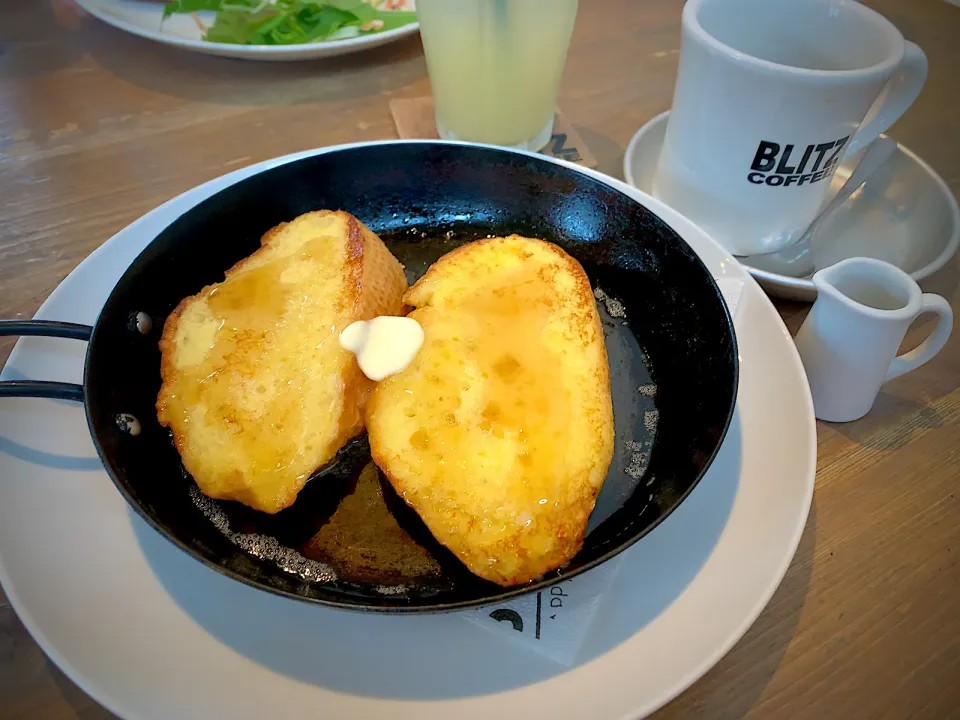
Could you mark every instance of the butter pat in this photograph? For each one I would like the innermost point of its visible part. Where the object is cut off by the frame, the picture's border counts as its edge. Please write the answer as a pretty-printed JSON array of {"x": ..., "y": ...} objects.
[{"x": 384, "y": 346}]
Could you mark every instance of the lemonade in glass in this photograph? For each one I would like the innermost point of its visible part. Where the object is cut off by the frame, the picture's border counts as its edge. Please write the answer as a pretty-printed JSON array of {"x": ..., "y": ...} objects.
[{"x": 495, "y": 67}]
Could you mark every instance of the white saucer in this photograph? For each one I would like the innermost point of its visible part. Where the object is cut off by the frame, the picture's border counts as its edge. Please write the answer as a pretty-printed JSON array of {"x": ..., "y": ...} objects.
[
  {"x": 151, "y": 633},
  {"x": 145, "y": 18},
  {"x": 905, "y": 214}
]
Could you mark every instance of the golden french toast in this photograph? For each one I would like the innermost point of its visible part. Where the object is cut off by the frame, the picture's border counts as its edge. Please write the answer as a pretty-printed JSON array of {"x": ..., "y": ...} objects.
[
  {"x": 256, "y": 388},
  {"x": 499, "y": 434}
]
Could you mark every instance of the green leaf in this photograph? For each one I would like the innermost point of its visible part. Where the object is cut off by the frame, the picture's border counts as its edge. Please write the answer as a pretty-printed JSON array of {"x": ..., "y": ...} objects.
[
  {"x": 263, "y": 32},
  {"x": 189, "y": 6},
  {"x": 238, "y": 26},
  {"x": 230, "y": 28},
  {"x": 287, "y": 22},
  {"x": 325, "y": 21},
  {"x": 364, "y": 11},
  {"x": 242, "y": 5}
]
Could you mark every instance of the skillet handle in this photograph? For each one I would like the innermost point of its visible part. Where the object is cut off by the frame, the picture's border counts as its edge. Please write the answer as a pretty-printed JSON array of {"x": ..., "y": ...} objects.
[
  {"x": 45, "y": 328},
  {"x": 42, "y": 388}
]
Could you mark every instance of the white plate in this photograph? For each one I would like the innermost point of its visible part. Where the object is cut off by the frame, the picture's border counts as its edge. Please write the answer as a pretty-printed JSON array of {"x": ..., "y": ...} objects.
[
  {"x": 905, "y": 214},
  {"x": 144, "y": 19},
  {"x": 151, "y": 633}
]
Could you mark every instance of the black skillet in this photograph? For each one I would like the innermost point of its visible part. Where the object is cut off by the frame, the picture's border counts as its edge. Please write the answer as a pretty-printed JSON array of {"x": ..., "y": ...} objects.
[{"x": 349, "y": 541}]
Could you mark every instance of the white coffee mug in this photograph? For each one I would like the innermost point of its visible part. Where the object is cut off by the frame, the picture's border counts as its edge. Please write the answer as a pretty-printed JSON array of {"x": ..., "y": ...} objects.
[
  {"x": 770, "y": 95},
  {"x": 849, "y": 340}
]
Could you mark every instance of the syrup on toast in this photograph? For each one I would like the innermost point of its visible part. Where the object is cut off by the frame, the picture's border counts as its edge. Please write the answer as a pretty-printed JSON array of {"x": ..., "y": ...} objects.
[
  {"x": 499, "y": 434},
  {"x": 256, "y": 388}
]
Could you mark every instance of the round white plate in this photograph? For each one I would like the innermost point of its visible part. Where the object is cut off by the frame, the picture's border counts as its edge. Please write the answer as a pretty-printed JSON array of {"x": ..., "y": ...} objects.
[
  {"x": 151, "y": 633},
  {"x": 905, "y": 214},
  {"x": 146, "y": 20}
]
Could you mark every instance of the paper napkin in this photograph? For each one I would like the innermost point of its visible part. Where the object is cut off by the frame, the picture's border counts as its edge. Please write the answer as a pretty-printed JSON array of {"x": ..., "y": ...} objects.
[{"x": 554, "y": 621}]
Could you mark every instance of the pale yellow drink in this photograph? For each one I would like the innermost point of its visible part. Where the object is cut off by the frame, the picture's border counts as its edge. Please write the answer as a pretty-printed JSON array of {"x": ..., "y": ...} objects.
[{"x": 495, "y": 67}]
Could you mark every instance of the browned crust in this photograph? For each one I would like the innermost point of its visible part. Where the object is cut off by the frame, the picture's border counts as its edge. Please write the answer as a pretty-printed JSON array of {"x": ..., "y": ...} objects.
[
  {"x": 363, "y": 248},
  {"x": 356, "y": 385},
  {"x": 584, "y": 291}
]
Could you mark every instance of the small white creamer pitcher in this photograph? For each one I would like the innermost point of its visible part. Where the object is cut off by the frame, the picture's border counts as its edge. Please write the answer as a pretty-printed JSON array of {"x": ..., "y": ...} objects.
[{"x": 849, "y": 341}]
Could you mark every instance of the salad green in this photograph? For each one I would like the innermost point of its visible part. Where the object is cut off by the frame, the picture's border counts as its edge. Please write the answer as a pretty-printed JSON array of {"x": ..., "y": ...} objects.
[{"x": 290, "y": 22}]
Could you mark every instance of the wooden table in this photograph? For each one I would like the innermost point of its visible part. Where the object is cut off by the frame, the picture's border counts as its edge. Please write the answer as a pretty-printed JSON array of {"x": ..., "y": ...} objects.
[{"x": 98, "y": 127}]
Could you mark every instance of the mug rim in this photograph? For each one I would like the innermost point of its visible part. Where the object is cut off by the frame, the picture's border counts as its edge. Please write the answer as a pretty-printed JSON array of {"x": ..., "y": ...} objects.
[{"x": 691, "y": 22}]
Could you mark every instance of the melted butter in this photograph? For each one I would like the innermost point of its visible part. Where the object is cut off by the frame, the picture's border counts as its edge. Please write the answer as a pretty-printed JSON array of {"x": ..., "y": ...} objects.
[{"x": 384, "y": 345}]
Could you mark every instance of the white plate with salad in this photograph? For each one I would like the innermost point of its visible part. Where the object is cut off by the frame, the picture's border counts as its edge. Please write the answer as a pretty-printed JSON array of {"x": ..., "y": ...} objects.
[{"x": 262, "y": 29}]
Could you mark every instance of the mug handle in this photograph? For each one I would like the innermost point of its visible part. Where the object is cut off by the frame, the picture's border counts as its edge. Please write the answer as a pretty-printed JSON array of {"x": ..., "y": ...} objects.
[
  {"x": 898, "y": 95},
  {"x": 932, "y": 345}
]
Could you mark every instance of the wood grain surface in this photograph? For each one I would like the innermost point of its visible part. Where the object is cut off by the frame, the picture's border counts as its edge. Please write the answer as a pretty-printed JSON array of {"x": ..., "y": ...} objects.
[{"x": 97, "y": 127}]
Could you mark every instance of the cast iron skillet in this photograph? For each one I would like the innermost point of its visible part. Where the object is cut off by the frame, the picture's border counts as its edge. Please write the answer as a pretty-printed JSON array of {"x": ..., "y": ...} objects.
[{"x": 349, "y": 541}]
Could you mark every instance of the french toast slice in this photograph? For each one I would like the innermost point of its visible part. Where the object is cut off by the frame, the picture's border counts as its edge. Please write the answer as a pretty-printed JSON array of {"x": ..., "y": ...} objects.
[
  {"x": 499, "y": 434},
  {"x": 256, "y": 388}
]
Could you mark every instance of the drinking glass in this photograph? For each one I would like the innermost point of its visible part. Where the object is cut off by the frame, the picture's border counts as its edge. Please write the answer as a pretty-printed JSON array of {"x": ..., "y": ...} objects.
[{"x": 495, "y": 67}]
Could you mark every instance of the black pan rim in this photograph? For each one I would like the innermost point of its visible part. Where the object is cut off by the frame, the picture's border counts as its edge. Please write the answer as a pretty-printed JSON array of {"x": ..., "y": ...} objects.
[{"x": 437, "y": 608}]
